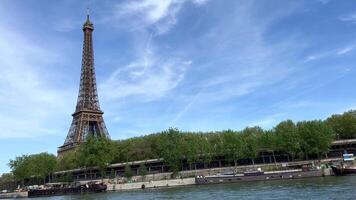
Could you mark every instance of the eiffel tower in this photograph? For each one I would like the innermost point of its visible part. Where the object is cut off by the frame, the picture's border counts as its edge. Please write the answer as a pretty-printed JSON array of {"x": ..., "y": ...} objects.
[{"x": 88, "y": 117}]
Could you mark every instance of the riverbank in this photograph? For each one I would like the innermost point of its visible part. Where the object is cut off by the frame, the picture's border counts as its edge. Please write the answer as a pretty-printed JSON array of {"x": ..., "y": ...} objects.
[
  {"x": 12, "y": 195},
  {"x": 319, "y": 188},
  {"x": 151, "y": 184},
  {"x": 157, "y": 184},
  {"x": 186, "y": 178},
  {"x": 191, "y": 181}
]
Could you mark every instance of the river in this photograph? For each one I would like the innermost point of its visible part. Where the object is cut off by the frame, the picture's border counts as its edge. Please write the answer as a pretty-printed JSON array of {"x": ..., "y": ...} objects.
[{"x": 311, "y": 188}]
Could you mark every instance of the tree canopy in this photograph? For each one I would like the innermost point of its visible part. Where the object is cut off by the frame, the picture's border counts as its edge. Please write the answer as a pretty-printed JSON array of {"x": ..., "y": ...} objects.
[
  {"x": 37, "y": 165},
  {"x": 97, "y": 151},
  {"x": 296, "y": 139}
]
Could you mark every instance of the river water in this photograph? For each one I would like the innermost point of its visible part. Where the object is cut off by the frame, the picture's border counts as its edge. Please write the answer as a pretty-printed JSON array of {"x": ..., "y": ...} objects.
[{"x": 311, "y": 188}]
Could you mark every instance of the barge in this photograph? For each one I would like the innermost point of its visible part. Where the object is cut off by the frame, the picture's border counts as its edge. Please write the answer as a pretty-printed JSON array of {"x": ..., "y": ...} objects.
[
  {"x": 259, "y": 176},
  {"x": 346, "y": 167},
  {"x": 344, "y": 170},
  {"x": 80, "y": 189}
]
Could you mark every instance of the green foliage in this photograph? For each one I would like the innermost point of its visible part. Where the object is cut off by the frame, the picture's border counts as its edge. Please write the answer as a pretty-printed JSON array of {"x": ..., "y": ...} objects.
[
  {"x": 250, "y": 138},
  {"x": 20, "y": 167},
  {"x": 128, "y": 171},
  {"x": 232, "y": 145},
  {"x": 68, "y": 161},
  {"x": 287, "y": 138},
  {"x": 7, "y": 181},
  {"x": 142, "y": 170},
  {"x": 66, "y": 177},
  {"x": 267, "y": 140},
  {"x": 6, "y": 178},
  {"x": 37, "y": 165},
  {"x": 171, "y": 149},
  {"x": 97, "y": 151},
  {"x": 137, "y": 148},
  {"x": 190, "y": 148},
  {"x": 316, "y": 137},
  {"x": 196, "y": 148},
  {"x": 174, "y": 146},
  {"x": 344, "y": 126}
]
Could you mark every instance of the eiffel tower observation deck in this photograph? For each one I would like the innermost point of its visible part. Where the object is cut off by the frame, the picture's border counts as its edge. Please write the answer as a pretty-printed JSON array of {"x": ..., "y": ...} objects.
[{"x": 88, "y": 117}]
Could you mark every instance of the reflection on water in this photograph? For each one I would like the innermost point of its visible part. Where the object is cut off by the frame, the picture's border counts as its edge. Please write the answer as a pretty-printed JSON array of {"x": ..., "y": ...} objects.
[{"x": 312, "y": 188}]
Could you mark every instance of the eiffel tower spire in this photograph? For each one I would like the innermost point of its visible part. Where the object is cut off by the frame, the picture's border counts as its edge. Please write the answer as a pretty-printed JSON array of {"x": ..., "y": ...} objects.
[{"x": 88, "y": 117}]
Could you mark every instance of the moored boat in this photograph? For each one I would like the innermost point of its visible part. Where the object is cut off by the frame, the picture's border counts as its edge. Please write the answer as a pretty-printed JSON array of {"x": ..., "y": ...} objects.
[
  {"x": 346, "y": 167},
  {"x": 344, "y": 170},
  {"x": 54, "y": 191},
  {"x": 259, "y": 176}
]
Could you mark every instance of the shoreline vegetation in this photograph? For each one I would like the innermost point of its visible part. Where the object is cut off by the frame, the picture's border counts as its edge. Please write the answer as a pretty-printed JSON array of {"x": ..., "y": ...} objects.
[{"x": 298, "y": 140}]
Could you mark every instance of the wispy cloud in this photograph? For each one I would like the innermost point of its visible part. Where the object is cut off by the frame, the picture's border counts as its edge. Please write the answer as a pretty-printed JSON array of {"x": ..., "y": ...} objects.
[
  {"x": 254, "y": 64},
  {"x": 345, "y": 50},
  {"x": 349, "y": 18},
  {"x": 329, "y": 53},
  {"x": 149, "y": 77},
  {"x": 158, "y": 15},
  {"x": 153, "y": 74},
  {"x": 28, "y": 102},
  {"x": 268, "y": 121},
  {"x": 185, "y": 109}
]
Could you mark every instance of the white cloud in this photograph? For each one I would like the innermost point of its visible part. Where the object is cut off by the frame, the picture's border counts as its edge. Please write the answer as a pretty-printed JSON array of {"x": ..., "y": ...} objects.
[
  {"x": 344, "y": 50},
  {"x": 159, "y": 15},
  {"x": 150, "y": 77},
  {"x": 28, "y": 103},
  {"x": 329, "y": 53},
  {"x": 349, "y": 18},
  {"x": 185, "y": 109},
  {"x": 268, "y": 121},
  {"x": 153, "y": 74},
  {"x": 200, "y": 2}
]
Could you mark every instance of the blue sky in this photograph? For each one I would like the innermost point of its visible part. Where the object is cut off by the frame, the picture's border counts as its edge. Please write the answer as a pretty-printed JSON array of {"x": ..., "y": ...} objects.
[{"x": 197, "y": 65}]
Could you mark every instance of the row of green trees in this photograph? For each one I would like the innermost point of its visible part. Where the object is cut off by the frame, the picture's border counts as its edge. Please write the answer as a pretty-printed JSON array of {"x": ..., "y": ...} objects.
[
  {"x": 36, "y": 165},
  {"x": 98, "y": 152},
  {"x": 298, "y": 140}
]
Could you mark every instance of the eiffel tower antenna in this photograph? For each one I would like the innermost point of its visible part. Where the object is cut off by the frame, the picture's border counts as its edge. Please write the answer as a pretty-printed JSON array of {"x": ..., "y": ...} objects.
[{"x": 88, "y": 118}]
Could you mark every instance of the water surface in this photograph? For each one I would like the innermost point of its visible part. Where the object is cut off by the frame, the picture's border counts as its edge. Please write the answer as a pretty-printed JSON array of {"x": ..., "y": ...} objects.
[{"x": 311, "y": 188}]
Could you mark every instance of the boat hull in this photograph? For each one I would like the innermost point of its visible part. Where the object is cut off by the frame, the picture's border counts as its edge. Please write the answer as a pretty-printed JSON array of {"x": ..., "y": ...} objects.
[
  {"x": 339, "y": 171},
  {"x": 67, "y": 191},
  {"x": 261, "y": 177}
]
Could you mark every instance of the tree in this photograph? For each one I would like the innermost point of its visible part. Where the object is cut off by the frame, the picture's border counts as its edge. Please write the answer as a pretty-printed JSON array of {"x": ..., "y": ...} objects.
[
  {"x": 37, "y": 165},
  {"x": 267, "y": 140},
  {"x": 190, "y": 148},
  {"x": 170, "y": 149},
  {"x": 66, "y": 177},
  {"x": 233, "y": 145},
  {"x": 7, "y": 181},
  {"x": 250, "y": 137},
  {"x": 287, "y": 138},
  {"x": 44, "y": 164},
  {"x": 316, "y": 137},
  {"x": 344, "y": 126},
  {"x": 98, "y": 152},
  {"x": 205, "y": 150},
  {"x": 128, "y": 172},
  {"x": 20, "y": 168},
  {"x": 142, "y": 171},
  {"x": 68, "y": 161}
]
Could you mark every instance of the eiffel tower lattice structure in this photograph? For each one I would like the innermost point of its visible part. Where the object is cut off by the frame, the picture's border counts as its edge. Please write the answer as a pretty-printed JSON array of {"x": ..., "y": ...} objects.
[{"x": 88, "y": 117}]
